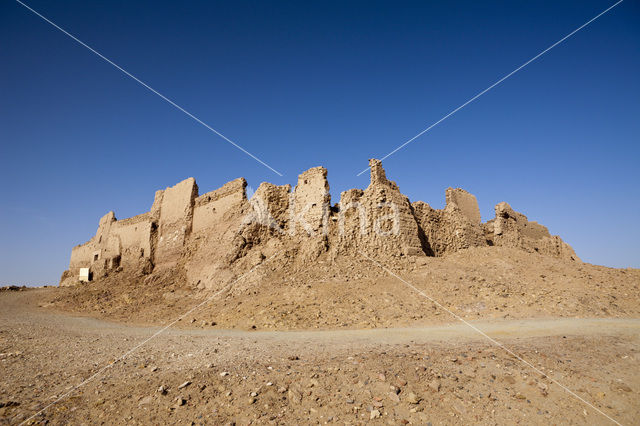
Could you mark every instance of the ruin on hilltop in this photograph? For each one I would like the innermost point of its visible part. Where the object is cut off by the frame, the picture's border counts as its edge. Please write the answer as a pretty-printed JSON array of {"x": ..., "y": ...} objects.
[{"x": 210, "y": 236}]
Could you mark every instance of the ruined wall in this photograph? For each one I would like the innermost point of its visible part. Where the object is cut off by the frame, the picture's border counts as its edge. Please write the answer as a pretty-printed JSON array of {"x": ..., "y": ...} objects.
[
  {"x": 270, "y": 207},
  {"x": 133, "y": 238},
  {"x": 466, "y": 203},
  {"x": 453, "y": 228},
  {"x": 390, "y": 225},
  {"x": 117, "y": 244},
  {"x": 175, "y": 221},
  {"x": 513, "y": 229},
  {"x": 311, "y": 202},
  {"x": 217, "y": 217},
  {"x": 210, "y": 208}
]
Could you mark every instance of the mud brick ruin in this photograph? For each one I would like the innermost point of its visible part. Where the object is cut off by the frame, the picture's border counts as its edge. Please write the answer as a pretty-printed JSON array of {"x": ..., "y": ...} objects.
[{"x": 210, "y": 235}]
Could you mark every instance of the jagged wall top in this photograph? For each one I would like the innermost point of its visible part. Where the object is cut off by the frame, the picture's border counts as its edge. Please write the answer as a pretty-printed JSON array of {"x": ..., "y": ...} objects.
[{"x": 378, "y": 221}]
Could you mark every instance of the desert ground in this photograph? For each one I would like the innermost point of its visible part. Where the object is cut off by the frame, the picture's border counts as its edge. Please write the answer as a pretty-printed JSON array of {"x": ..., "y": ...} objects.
[{"x": 352, "y": 349}]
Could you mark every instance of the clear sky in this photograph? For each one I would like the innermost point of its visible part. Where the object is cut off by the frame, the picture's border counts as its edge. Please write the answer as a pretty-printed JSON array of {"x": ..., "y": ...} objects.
[{"x": 302, "y": 84}]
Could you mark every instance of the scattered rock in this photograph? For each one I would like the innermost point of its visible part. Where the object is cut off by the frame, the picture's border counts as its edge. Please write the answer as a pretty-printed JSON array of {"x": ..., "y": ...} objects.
[
  {"x": 543, "y": 389},
  {"x": 621, "y": 386},
  {"x": 184, "y": 385},
  {"x": 412, "y": 398},
  {"x": 144, "y": 401},
  {"x": 9, "y": 404},
  {"x": 294, "y": 396}
]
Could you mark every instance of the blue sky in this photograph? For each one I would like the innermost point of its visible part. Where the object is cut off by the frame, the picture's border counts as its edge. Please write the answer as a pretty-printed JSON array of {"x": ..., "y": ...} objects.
[{"x": 302, "y": 84}]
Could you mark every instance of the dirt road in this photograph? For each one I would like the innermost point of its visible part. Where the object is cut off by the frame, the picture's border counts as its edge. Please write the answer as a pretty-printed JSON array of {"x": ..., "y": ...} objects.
[{"x": 442, "y": 374}]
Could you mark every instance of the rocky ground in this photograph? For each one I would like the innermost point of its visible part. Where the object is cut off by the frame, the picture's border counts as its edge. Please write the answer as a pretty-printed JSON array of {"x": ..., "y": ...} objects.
[{"x": 583, "y": 332}]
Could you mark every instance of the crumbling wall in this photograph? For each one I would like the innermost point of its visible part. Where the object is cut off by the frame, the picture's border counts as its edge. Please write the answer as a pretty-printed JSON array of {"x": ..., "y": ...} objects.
[
  {"x": 210, "y": 208},
  {"x": 390, "y": 226},
  {"x": 217, "y": 218},
  {"x": 175, "y": 221},
  {"x": 270, "y": 207},
  {"x": 453, "y": 228},
  {"x": 513, "y": 229},
  {"x": 309, "y": 211},
  {"x": 311, "y": 201},
  {"x": 130, "y": 239},
  {"x": 117, "y": 243},
  {"x": 466, "y": 203}
]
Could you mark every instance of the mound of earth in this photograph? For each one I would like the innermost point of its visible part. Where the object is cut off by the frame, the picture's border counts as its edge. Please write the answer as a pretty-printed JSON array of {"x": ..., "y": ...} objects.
[{"x": 475, "y": 283}]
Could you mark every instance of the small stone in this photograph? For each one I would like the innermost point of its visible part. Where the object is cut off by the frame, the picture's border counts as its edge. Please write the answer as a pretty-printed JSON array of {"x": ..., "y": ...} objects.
[
  {"x": 543, "y": 388},
  {"x": 252, "y": 400},
  {"x": 146, "y": 400},
  {"x": 181, "y": 401},
  {"x": 294, "y": 397},
  {"x": 520, "y": 396},
  {"x": 224, "y": 373},
  {"x": 161, "y": 390},
  {"x": 382, "y": 377},
  {"x": 621, "y": 386},
  {"x": 374, "y": 414},
  {"x": 434, "y": 385},
  {"x": 184, "y": 385},
  {"x": 394, "y": 397},
  {"x": 254, "y": 394},
  {"x": 400, "y": 383},
  {"x": 269, "y": 384},
  {"x": 282, "y": 389},
  {"x": 412, "y": 398}
]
